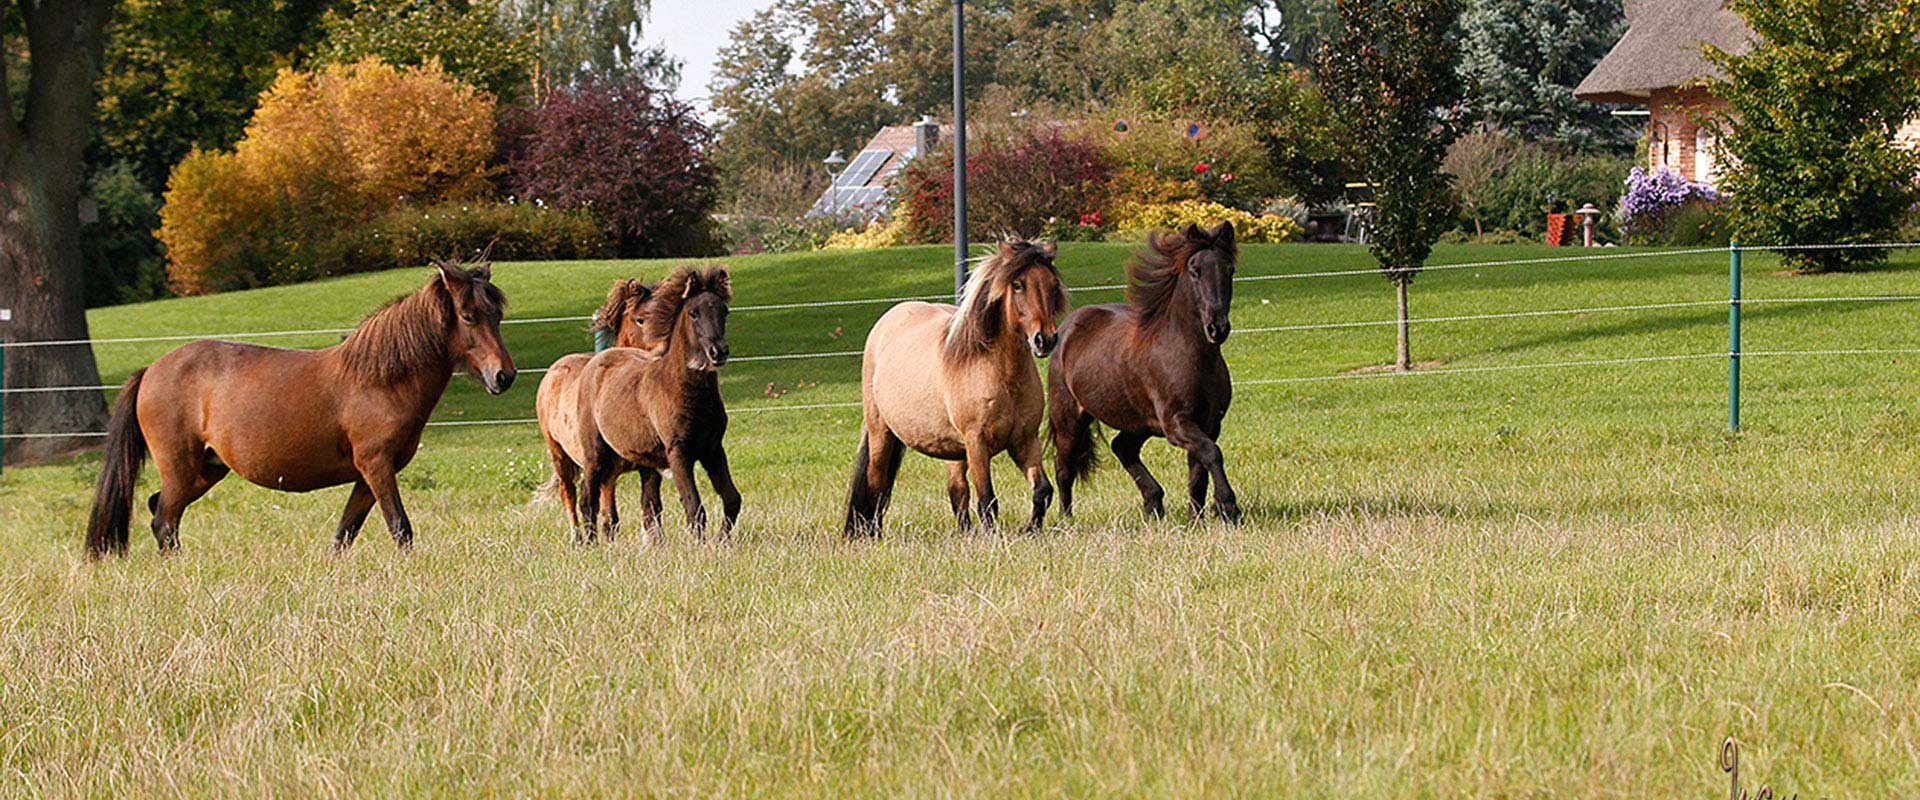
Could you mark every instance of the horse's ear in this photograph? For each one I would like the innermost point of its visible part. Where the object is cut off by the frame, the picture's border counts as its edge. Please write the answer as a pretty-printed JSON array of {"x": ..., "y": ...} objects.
[
  {"x": 451, "y": 275},
  {"x": 1049, "y": 248},
  {"x": 1222, "y": 234},
  {"x": 1194, "y": 233},
  {"x": 722, "y": 284}
]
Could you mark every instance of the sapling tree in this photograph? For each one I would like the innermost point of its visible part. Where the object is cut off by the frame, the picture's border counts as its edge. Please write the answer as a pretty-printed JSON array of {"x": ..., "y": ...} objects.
[{"x": 1390, "y": 73}]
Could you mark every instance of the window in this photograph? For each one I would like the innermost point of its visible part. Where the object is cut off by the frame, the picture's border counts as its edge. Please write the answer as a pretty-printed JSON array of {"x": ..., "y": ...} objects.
[{"x": 1706, "y": 167}]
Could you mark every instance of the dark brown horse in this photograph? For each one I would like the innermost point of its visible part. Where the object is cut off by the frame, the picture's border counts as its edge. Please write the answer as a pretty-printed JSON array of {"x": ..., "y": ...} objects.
[
  {"x": 1151, "y": 367},
  {"x": 623, "y": 319},
  {"x": 641, "y": 409},
  {"x": 300, "y": 420}
]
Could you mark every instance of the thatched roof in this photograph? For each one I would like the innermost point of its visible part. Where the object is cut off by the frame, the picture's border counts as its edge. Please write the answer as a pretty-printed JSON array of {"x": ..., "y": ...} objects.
[{"x": 1662, "y": 49}]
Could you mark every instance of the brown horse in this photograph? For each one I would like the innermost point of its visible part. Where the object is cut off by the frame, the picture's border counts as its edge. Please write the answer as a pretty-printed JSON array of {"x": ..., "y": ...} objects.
[
  {"x": 300, "y": 420},
  {"x": 958, "y": 383},
  {"x": 648, "y": 410},
  {"x": 1151, "y": 367},
  {"x": 624, "y": 317}
]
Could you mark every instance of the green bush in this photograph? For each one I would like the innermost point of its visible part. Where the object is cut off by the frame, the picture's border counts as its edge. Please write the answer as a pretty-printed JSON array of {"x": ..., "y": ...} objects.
[
  {"x": 748, "y": 233},
  {"x": 411, "y": 237},
  {"x": 123, "y": 259},
  {"x": 1539, "y": 181},
  {"x": 1701, "y": 223}
]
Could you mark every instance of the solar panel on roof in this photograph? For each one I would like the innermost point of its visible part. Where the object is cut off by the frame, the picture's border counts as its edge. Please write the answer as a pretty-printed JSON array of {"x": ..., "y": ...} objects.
[{"x": 863, "y": 168}]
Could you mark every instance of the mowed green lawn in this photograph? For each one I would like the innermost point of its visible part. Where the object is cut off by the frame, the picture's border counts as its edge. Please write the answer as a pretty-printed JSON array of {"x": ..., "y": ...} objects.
[{"x": 1554, "y": 582}]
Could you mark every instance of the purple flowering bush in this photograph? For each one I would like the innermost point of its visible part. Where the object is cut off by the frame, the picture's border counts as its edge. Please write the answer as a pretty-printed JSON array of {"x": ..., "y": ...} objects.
[{"x": 1658, "y": 202}]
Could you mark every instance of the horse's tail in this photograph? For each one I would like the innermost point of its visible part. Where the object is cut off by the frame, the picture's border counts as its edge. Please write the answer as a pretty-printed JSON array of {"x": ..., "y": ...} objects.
[
  {"x": 863, "y": 501},
  {"x": 1073, "y": 441},
  {"x": 126, "y": 452}
]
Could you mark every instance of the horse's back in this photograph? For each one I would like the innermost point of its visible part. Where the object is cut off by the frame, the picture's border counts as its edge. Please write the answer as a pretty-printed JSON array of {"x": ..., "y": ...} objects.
[
  {"x": 901, "y": 381},
  {"x": 556, "y": 403},
  {"x": 614, "y": 405},
  {"x": 264, "y": 411}
]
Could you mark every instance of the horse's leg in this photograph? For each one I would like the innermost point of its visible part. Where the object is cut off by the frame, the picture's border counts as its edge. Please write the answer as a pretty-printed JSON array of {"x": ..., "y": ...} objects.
[
  {"x": 594, "y": 474},
  {"x": 1126, "y": 448},
  {"x": 358, "y": 504},
  {"x": 680, "y": 461},
  {"x": 1065, "y": 472},
  {"x": 566, "y": 475},
  {"x": 650, "y": 503},
  {"x": 1028, "y": 456},
  {"x": 610, "y": 506},
  {"x": 980, "y": 472},
  {"x": 874, "y": 470},
  {"x": 957, "y": 494},
  {"x": 721, "y": 476},
  {"x": 184, "y": 478},
  {"x": 380, "y": 476},
  {"x": 1196, "y": 486},
  {"x": 1187, "y": 435}
]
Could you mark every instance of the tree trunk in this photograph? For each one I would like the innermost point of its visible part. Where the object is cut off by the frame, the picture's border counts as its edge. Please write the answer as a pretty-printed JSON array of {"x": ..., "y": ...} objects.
[
  {"x": 41, "y": 167},
  {"x": 40, "y": 280},
  {"x": 1404, "y": 360}
]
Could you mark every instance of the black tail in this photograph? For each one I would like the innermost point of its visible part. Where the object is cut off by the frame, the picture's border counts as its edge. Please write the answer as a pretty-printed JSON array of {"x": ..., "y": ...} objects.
[
  {"x": 126, "y": 452},
  {"x": 863, "y": 502},
  {"x": 1073, "y": 440}
]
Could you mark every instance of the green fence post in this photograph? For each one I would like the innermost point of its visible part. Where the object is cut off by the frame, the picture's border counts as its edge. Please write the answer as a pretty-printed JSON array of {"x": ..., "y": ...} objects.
[{"x": 1733, "y": 337}]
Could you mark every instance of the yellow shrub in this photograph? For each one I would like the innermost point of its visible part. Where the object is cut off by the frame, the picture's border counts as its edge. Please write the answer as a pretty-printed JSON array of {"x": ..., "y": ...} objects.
[
  {"x": 878, "y": 233},
  {"x": 1135, "y": 219},
  {"x": 325, "y": 152}
]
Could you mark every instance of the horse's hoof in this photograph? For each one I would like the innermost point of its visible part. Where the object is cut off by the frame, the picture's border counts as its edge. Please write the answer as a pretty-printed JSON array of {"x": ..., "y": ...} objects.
[{"x": 1229, "y": 512}]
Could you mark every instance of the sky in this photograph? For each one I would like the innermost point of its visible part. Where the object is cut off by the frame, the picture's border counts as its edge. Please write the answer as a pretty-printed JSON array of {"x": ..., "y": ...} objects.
[{"x": 694, "y": 31}]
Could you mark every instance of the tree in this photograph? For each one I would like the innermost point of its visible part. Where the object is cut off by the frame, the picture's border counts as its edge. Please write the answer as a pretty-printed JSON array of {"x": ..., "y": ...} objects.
[
  {"x": 627, "y": 153},
  {"x": 326, "y": 152},
  {"x": 1522, "y": 58},
  {"x": 801, "y": 79},
  {"x": 1813, "y": 111},
  {"x": 43, "y": 132},
  {"x": 473, "y": 44},
  {"x": 1476, "y": 162},
  {"x": 1391, "y": 73},
  {"x": 577, "y": 39}
]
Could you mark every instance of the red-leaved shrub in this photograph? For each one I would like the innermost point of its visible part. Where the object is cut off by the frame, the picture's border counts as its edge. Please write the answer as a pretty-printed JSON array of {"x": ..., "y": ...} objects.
[
  {"x": 625, "y": 152},
  {"x": 1015, "y": 184}
]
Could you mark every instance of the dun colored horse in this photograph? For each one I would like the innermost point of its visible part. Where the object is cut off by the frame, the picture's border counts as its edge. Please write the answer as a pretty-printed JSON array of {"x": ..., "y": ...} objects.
[
  {"x": 959, "y": 384},
  {"x": 660, "y": 408},
  {"x": 1151, "y": 367},
  {"x": 623, "y": 316},
  {"x": 300, "y": 420}
]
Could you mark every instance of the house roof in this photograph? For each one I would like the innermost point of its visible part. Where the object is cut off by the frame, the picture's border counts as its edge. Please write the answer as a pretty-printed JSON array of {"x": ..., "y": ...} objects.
[
  {"x": 861, "y": 186},
  {"x": 1663, "y": 49}
]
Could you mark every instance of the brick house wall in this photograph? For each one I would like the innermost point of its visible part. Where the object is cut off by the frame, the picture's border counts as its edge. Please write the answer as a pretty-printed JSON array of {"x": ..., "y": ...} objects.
[{"x": 1677, "y": 140}]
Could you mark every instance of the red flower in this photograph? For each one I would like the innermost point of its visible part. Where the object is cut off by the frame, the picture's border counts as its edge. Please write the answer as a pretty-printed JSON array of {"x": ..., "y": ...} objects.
[{"x": 1200, "y": 167}]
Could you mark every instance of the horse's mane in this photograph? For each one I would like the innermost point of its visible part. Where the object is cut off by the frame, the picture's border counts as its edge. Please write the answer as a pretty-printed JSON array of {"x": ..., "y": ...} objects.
[
  {"x": 680, "y": 287},
  {"x": 1153, "y": 275},
  {"x": 607, "y": 317},
  {"x": 409, "y": 333},
  {"x": 974, "y": 324}
]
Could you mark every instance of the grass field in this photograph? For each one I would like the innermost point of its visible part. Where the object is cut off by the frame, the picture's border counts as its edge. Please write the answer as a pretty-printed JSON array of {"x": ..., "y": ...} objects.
[{"x": 1554, "y": 582}]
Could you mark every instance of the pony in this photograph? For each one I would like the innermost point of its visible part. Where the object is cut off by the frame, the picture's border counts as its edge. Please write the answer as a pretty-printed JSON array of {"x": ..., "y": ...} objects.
[
  {"x": 958, "y": 383},
  {"x": 301, "y": 420},
  {"x": 1151, "y": 367},
  {"x": 622, "y": 318},
  {"x": 654, "y": 409}
]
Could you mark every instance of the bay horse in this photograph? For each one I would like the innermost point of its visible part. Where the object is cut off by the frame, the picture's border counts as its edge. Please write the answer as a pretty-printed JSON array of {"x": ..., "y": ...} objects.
[
  {"x": 660, "y": 408},
  {"x": 1151, "y": 367},
  {"x": 958, "y": 383},
  {"x": 300, "y": 420},
  {"x": 622, "y": 319}
]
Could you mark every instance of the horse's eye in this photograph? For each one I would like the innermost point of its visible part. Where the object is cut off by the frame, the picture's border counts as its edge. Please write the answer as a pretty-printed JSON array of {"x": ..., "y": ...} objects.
[
  {"x": 1019, "y": 287},
  {"x": 467, "y": 318},
  {"x": 695, "y": 313}
]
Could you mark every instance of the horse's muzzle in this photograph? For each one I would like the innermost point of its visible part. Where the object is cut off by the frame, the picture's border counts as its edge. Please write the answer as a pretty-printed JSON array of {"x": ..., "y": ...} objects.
[
  {"x": 1217, "y": 332},
  {"x": 499, "y": 381},
  {"x": 1043, "y": 344},
  {"x": 717, "y": 354}
]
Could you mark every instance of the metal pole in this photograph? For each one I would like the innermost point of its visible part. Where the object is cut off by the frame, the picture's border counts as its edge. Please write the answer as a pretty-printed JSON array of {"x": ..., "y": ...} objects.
[
  {"x": 959, "y": 148},
  {"x": 1733, "y": 337}
]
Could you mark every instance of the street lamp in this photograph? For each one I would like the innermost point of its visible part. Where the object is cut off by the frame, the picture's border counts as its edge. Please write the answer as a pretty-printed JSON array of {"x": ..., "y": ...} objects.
[
  {"x": 834, "y": 162},
  {"x": 959, "y": 148}
]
